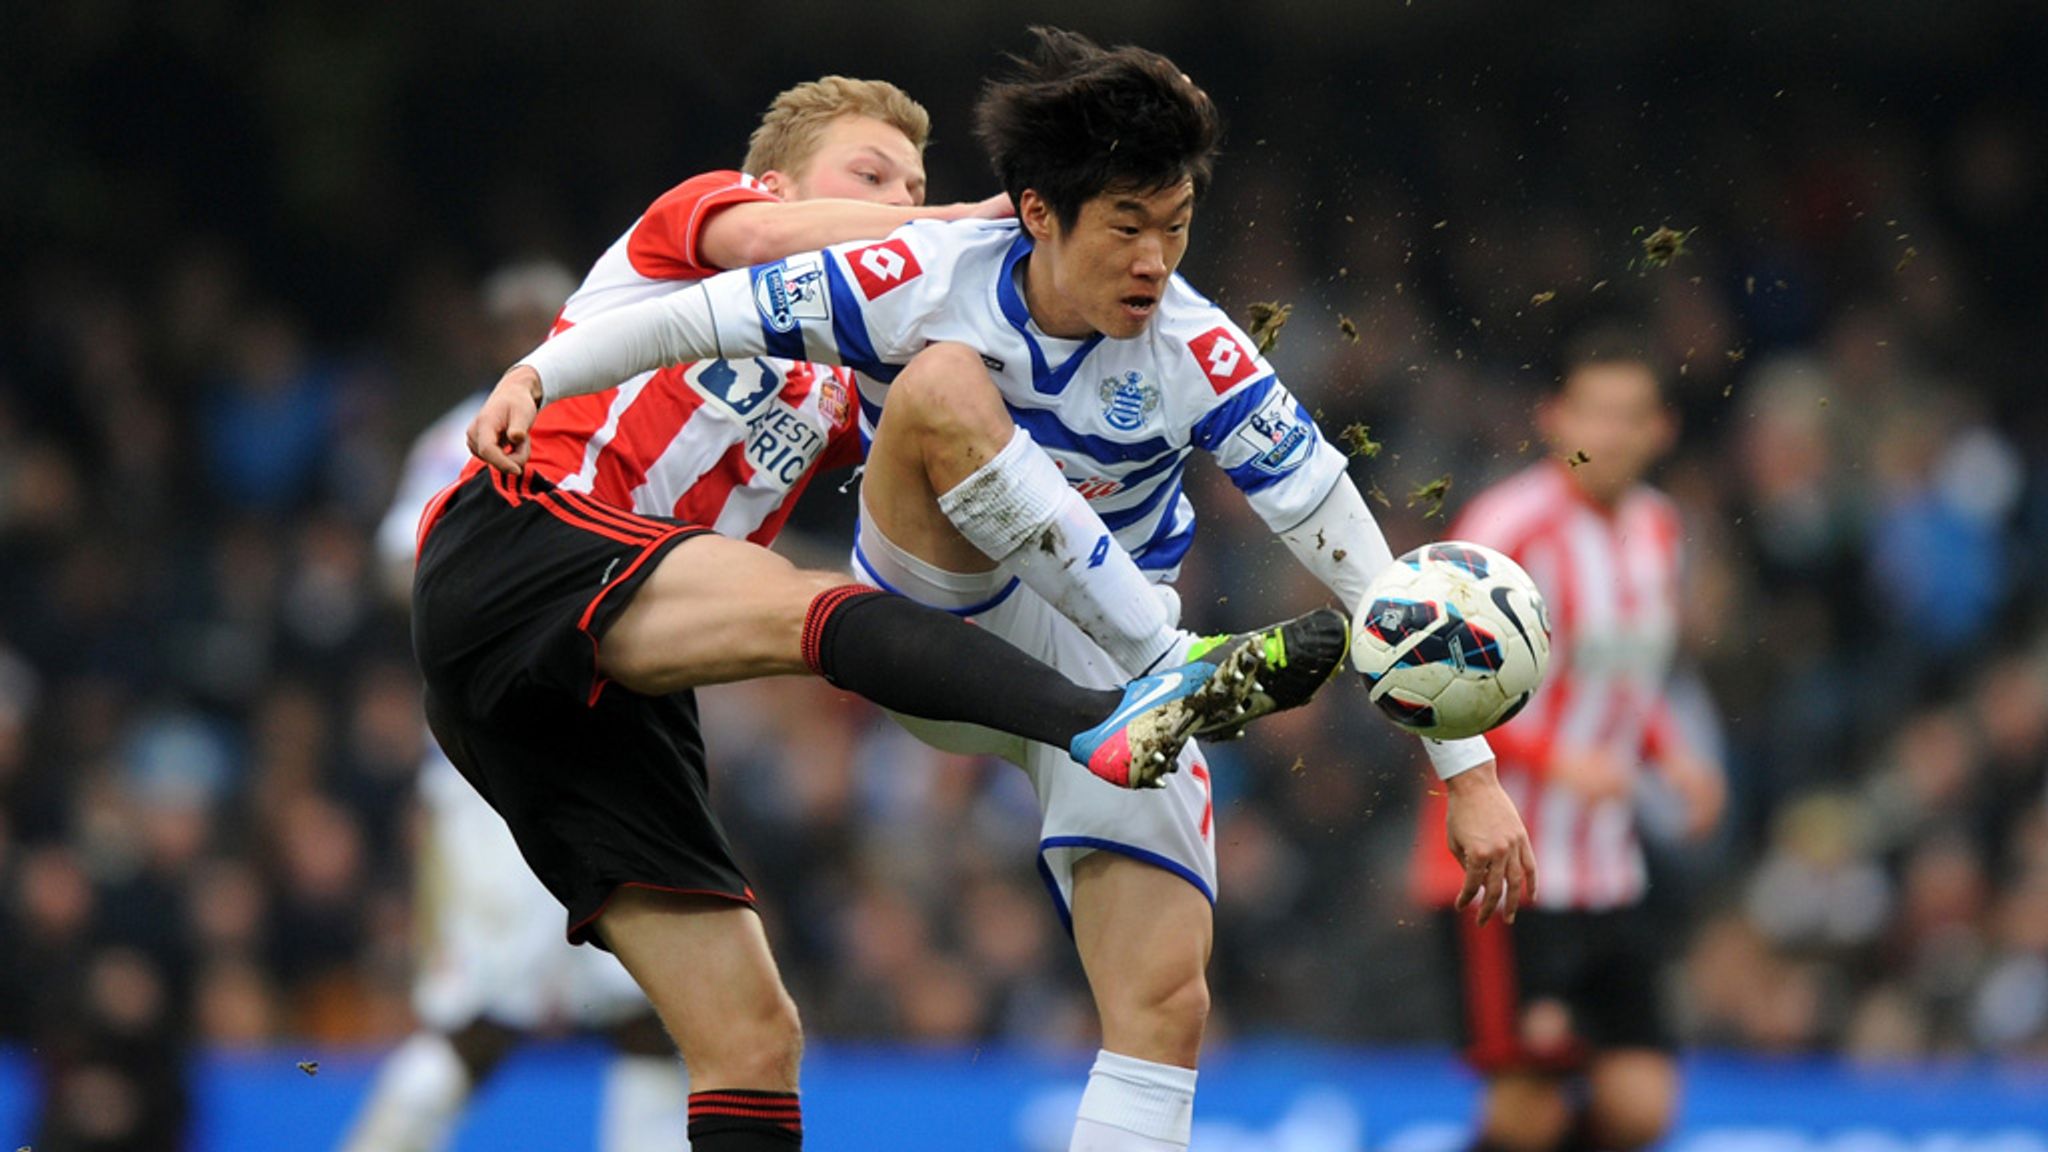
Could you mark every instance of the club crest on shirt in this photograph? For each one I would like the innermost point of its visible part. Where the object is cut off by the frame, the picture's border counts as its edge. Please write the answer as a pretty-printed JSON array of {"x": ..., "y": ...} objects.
[
  {"x": 1277, "y": 435},
  {"x": 791, "y": 292},
  {"x": 1127, "y": 399},
  {"x": 835, "y": 398}
]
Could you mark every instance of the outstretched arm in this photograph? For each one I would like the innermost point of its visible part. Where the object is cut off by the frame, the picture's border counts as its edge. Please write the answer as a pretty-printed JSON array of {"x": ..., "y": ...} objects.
[
  {"x": 1342, "y": 544},
  {"x": 604, "y": 350},
  {"x": 757, "y": 232}
]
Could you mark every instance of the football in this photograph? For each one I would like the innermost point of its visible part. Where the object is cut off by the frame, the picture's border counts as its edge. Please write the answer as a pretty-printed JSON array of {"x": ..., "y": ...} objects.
[{"x": 1452, "y": 640}]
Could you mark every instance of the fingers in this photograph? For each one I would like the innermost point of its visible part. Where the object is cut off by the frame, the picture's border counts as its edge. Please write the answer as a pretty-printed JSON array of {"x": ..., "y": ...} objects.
[
  {"x": 496, "y": 445},
  {"x": 1528, "y": 855},
  {"x": 1499, "y": 883},
  {"x": 1514, "y": 885},
  {"x": 1473, "y": 882}
]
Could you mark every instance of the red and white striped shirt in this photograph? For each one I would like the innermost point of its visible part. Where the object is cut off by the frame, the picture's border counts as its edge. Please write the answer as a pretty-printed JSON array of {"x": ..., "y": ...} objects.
[
  {"x": 1610, "y": 578},
  {"x": 726, "y": 444}
]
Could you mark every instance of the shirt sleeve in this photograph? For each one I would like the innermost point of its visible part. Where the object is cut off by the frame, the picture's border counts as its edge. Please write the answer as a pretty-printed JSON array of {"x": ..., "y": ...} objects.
[
  {"x": 664, "y": 243},
  {"x": 1261, "y": 436},
  {"x": 859, "y": 305}
]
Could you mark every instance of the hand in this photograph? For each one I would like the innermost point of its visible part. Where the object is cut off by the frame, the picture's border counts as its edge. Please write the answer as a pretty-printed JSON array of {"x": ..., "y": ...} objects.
[
  {"x": 498, "y": 434},
  {"x": 1487, "y": 837},
  {"x": 1701, "y": 786},
  {"x": 1594, "y": 773}
]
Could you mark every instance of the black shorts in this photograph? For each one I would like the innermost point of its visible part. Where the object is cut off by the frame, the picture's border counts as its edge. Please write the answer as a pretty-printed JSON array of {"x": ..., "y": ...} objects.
[
  {"x": 601, "y": 787},
  {"x": 1544, "y": 993}
]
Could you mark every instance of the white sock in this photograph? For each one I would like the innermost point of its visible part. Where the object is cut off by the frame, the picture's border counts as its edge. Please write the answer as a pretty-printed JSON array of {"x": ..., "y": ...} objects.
[
  {"x": 645, "y": 1106},
  {"x": 1018, "y": 510},
  {"x": 415, "y": 1100},
  {"x": 1133, "y": 1105}
]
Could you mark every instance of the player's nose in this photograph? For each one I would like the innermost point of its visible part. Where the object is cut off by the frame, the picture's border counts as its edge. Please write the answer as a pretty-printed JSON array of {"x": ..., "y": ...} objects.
[{"x": 1149, "y": 262}]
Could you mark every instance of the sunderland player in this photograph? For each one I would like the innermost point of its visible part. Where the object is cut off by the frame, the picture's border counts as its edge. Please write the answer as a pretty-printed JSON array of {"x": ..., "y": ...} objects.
[
  {"x": 493, "y": 968},
  {"x": 1561, "y": 1011},
  {"x": 561, "y": 615},
  {"x": 1040, "y": 385}
]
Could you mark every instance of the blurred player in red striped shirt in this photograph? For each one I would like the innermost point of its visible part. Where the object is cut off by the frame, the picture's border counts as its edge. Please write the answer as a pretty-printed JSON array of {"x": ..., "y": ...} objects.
[{"x": 1560, "y": 1008}]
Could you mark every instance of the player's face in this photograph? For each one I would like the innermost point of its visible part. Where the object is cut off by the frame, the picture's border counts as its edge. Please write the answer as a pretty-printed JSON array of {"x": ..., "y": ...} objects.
[
  {"x": 858, "y": 158},
  {"x": 1614, "y": 414},
  {"x": 1108, "y": 272}
]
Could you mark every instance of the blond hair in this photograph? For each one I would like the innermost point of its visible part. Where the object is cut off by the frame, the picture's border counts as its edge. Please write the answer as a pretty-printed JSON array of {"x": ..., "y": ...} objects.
[{"x": 789, "y": 133}]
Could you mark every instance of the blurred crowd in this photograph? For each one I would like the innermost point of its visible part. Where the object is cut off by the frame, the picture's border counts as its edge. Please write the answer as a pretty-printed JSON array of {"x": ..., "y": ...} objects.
[{"x": 209, "y": 721}]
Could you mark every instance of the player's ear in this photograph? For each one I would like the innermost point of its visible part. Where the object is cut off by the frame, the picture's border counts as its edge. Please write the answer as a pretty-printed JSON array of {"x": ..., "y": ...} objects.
[
  {"x": 1036, "y": 215},
  {"x": 778, "y": 184}
]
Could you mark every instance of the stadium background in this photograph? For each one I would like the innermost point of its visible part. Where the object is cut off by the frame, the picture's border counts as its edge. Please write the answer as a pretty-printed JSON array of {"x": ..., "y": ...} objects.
[{"x": 241, "y": 244}]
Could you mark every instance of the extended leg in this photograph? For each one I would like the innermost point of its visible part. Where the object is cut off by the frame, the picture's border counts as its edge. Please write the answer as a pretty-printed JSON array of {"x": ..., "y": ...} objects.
[{"x": 715, "y": 610}]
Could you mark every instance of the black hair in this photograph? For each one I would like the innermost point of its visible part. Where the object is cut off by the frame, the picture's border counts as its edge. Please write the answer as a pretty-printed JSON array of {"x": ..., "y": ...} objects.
[
  {"x": 1074, "y": 120},
  {"x": 1604, "y": 341}
]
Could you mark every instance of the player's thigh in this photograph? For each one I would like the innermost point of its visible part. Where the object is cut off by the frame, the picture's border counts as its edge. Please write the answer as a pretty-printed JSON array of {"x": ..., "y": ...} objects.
[
  {"x": 714, "y": 610},
  {"x": 1139, "y": 927},
  {"x": 1632, "y": 1094},
  {"x": 706, "y": 967}
]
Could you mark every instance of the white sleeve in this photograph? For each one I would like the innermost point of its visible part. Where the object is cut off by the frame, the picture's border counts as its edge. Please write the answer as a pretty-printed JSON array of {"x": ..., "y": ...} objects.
[
  {"x": 616, "y": 346},
  {"x": 856, "y": 304},
  {"x": 1341, "y": 543}
]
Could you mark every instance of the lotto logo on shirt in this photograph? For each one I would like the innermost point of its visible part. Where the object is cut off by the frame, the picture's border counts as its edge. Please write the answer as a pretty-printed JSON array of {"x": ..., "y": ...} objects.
[
  {"x": 883, "y": 267},
  {"x": 1222, "y": 358}
]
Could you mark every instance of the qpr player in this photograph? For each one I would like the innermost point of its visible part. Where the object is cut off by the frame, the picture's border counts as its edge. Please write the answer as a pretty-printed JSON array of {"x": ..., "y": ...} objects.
[
  {"x": 562, "y": 615},
  {"x": 1033, "y": 389}
]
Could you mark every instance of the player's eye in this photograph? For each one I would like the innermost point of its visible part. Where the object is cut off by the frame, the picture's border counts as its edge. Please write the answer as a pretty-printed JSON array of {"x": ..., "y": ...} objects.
[
  {"x": 869, "y": 177},
  {"x": 1130, "y": 230}
]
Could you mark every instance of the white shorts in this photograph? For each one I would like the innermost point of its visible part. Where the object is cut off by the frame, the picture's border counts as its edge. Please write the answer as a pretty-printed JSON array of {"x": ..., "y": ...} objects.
[
  {"x": 1171, "y": 827},
  {"x": 491, "y": 941}
]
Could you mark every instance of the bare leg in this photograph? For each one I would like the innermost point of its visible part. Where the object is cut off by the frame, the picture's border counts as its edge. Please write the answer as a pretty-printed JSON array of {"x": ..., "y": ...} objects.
[
  {"x": 1634, "y": 1093},
  {"x": 715, "y": 610},
  {"x": 704, "y": 964},
  {"x": 1524, "y": 1112},
  {"x": 1144, "y": 936}
]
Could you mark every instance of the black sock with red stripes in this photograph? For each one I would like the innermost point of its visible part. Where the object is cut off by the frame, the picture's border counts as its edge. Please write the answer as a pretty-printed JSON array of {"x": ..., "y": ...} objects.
[
  {"x": 923, "y": 662},
  {"x": 745, "y": 1120}
]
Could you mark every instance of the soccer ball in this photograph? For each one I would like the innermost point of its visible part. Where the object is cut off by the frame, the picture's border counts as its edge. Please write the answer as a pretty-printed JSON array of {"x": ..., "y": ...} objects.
[{"x": 1452, "y": 640}]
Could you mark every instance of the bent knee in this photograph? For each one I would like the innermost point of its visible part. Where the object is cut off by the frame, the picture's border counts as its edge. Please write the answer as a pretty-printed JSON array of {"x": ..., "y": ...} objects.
[
  {"x": 1160, "y": 1019},
  {"x": 947, "y": 390},
  {"x": 761, "y": 1048}
]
